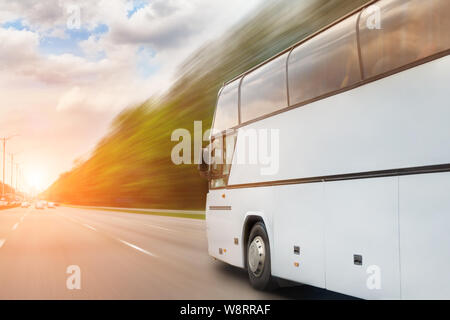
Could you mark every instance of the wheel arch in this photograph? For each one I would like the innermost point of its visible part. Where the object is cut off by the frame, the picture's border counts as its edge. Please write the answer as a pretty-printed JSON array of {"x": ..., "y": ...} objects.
[{"x": 250, "y": 220}]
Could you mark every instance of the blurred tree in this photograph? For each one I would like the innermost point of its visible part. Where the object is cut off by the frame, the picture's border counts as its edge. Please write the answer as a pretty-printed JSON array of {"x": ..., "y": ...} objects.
[{"x": 132, "y": 165}]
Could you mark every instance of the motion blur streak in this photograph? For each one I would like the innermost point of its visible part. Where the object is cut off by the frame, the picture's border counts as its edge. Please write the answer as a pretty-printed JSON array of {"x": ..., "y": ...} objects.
[
  {"x": 35, "y": 258},
  {"x": 131, "y": 166}
]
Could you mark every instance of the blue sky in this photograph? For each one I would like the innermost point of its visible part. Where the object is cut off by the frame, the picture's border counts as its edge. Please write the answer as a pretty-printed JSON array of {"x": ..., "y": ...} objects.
[
  {"x": 136, "y": 5},
  {"x": 70, "y": 43},
  {"x": 57, "y": 80},
  {"x": 15, "y": 24},
  {"x": 144, "y": 65}
]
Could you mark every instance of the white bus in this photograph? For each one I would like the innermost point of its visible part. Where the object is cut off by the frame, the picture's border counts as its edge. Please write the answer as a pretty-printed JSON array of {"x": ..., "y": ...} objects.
[{"x": 359, "y": 202}]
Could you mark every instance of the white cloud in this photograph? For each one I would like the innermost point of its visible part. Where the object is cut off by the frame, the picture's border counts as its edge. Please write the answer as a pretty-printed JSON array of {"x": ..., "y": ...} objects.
[
  {"x": 66, "y": 102},
  {"x": 71, "y": 99},
  {"x": 171, "y": 28},
  {"x": 17, "y": 47}
]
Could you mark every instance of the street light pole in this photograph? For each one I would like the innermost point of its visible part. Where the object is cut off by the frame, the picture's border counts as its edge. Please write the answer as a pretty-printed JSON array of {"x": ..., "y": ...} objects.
[
  {"x": 3, "y": 177},
  {"x": 17, "y": 177},
  {"x": 12, "y": 171},
  {"x": 4, "y": 139}
]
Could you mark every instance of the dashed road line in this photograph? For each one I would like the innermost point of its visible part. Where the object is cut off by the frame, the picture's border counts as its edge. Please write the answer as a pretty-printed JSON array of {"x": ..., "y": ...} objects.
[
  {"x": 15, "y": 226},
  {"x": 2, "y": 242},
  {"x": 157, "y": 227},
  {"x": 71, "y": 219},
  {"x": 137, "y": 248},
  {"x": 120, "y": 240},
  {"x": 90, "y": 227}
]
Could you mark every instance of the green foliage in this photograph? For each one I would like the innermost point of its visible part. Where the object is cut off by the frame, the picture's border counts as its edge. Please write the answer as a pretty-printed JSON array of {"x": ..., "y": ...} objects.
[{"x": 132, "y": 165}]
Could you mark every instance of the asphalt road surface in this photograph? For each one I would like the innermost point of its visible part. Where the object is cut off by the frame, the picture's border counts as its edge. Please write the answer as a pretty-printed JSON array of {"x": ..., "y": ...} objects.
[{"x": 120, "y": 256}]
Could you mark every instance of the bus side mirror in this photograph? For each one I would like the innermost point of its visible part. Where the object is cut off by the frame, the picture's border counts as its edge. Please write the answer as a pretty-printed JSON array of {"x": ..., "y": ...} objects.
[{"x": 203, "y": 167}]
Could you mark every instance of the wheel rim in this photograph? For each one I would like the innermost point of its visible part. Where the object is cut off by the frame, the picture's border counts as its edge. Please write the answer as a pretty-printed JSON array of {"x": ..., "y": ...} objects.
[{"x": 257, "y": 256}]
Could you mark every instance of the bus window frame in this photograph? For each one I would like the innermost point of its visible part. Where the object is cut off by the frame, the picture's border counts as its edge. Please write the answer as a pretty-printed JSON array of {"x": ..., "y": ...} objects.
[
  {"x": 224, "y": 150},
  {"x": 288, "y": 50},
  {"x": 286, "y": 97},
  {"x": 356, "y": 16},
  {"x": 365, "y": 80},
  {"x": 223, "y": 132}
]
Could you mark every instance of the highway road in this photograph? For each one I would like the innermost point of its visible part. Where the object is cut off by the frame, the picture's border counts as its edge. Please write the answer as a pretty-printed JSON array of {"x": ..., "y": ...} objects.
[{"x": 119, "y": 256}]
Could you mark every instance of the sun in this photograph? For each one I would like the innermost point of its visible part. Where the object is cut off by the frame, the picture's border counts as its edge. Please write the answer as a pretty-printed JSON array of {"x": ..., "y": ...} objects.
[{"x": 36, "y": 179}]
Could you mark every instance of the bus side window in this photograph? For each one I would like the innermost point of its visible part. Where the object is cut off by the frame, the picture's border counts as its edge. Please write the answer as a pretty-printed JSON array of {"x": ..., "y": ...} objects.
[
  {"x": 263, "y": 91},
  {"x": 226, "y": 116},
  {"x": 409, "y": 30},
  {"x": 217, "y": 156},
  {"x": 222, "y": 152},
  {"x": 324, "y": 64},
  {"x": 229, "y": 147}
]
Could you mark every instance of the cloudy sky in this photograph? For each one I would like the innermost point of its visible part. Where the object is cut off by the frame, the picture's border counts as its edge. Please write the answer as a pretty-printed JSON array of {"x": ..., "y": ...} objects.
[{"x": 68, "y": 67}]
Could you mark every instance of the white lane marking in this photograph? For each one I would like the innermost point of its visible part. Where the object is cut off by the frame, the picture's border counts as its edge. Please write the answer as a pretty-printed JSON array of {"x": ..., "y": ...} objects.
[
  {"x": 137, "y": 248},
  {"x": 15, "y": 226},
  {"x": 78, "y": 222},
  {"x": 157, "y": 227},
  {"x": 90, "y": 227},
  {"x": 71, "y": 219},
  {"x": 123, "y": 241},
  {"x": 2, "y": 242}
]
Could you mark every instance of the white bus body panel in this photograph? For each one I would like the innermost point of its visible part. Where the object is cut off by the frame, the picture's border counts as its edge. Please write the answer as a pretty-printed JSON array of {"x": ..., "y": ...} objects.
[
  {"x": 401, "y": 121},
  {"x": 425, "y": 236},
  {"x": 299, "y": 222},
  {"x": 362, "y": 219},
  {"x": 223, "y": 226},
  {"x": 397, "y": 223}
]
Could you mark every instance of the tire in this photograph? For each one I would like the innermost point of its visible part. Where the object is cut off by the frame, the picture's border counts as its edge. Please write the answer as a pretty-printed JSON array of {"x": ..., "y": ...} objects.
[{"x": 259, "y": 269}]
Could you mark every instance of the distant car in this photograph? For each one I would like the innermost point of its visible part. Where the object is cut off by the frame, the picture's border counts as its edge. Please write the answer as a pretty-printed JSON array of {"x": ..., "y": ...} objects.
[
  {"x": 51, "y": 205},
  {"x": 3, "y": 202},
  {"x": 25, "y": 204},
  {"x": 39, "y": 205}
]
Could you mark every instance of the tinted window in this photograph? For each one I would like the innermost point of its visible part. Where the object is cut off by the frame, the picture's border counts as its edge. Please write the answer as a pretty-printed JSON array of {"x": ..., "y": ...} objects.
[
  {"x": 264, "y": 90},
  {"x": 226, "y": 115},
  {"x": 326, "y": 63},
  {"x": 410, "y": 30},
  {"x": 217, "y": 165},
  {"x": 222, "y": 153}
]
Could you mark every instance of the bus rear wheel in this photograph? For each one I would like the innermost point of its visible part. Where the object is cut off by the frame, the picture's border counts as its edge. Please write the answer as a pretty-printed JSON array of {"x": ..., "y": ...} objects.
[{"x": 258, "y": 259}]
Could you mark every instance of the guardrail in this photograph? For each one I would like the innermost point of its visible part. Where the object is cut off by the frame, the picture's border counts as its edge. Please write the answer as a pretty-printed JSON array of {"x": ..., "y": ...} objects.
[
  {"x": 195, "y": 214},
  {"x": 149, "y": 210},
  {"x": 9, "y": 207}
]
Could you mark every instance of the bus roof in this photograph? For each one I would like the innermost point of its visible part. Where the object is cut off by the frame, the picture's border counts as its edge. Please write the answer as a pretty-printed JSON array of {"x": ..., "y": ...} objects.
[{"x": 302, "y": 41}]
